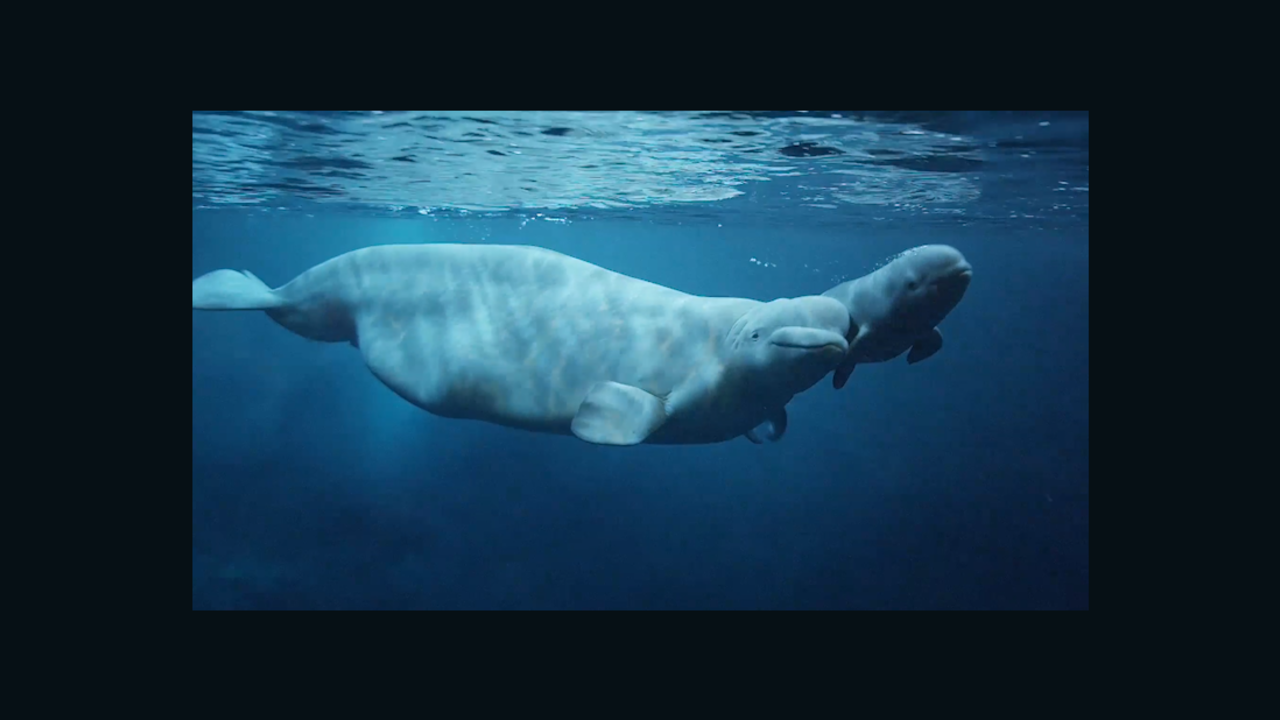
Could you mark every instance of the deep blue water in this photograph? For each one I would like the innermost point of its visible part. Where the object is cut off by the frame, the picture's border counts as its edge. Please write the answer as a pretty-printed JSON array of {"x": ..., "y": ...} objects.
[{"x": 957, "y": 483}]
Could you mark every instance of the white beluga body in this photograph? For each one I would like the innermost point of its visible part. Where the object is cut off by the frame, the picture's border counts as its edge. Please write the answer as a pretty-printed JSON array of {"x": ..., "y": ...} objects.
[{"x": 529, "y": 338}]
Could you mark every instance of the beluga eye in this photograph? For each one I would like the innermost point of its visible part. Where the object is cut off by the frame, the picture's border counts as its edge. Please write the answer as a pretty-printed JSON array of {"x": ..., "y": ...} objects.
[
  {"x": 755, "y": 335},
  {"x": 911, "y": 285}
]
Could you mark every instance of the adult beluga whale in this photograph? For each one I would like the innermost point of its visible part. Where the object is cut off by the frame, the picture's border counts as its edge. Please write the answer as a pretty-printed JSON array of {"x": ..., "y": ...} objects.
[
  {"x": 529, "y": 338},
  {"x": 898, "y": 307}
]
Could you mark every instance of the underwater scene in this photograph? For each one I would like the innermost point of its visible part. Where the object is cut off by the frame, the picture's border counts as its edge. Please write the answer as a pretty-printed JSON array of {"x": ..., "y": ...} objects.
[{"x": 617, "y": 360}]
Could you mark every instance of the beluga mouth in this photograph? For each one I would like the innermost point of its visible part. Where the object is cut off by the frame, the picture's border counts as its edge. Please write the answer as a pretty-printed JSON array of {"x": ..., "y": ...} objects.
[
  {"x": 957, "y": 281},
  {"x": 803, "y": 338}
]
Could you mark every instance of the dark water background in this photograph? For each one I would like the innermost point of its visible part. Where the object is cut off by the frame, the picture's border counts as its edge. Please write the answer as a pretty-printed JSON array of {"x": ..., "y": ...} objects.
[{"x": 960, "y": 482}]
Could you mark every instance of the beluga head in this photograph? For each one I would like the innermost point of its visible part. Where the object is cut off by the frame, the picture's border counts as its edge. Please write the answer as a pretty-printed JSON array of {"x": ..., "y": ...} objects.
[
  {"x": 899, "y": 306},
  {"x": 786, "y": 346},
  {"x": 925, "y": 284}
]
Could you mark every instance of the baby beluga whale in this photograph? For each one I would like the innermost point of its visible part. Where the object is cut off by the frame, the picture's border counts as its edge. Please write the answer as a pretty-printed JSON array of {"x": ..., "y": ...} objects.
[
  {"x": 528, "y": 338},
  {"x": 898, "y": 307}
]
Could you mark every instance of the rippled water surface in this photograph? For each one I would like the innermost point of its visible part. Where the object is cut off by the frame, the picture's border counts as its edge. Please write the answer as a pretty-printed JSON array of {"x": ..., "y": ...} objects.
[{"x": 822, "y": 166}]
